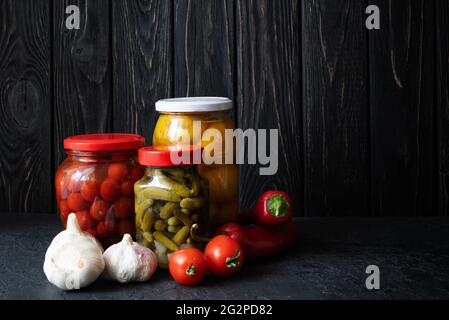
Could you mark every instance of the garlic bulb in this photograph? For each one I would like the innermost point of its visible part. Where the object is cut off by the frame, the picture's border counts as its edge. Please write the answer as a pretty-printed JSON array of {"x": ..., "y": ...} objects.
[
  {"x": 128, "y": 261},
  {"x": 74, "y": 258}
]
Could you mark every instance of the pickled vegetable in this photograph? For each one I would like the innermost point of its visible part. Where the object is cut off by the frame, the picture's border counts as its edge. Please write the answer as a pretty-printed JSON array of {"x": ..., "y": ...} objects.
[{"x": 168, "y": 202}]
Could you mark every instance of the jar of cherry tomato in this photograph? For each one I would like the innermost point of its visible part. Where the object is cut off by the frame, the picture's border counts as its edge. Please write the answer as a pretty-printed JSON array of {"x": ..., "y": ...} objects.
[
  {"x": 202, "y": 121},
  {"x": 171, "y": 201},
  {"x": 96, "y": 182}
]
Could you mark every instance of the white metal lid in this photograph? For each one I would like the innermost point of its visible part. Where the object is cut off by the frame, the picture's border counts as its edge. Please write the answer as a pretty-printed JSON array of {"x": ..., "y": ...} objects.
[{"x": 194, "y": 104}]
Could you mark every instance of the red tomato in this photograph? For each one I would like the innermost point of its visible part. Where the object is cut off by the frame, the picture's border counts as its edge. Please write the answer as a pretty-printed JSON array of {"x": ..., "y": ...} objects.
[
  {"x": 188, "y": 266},
  {"x": 99, "y": 209},
  {"x": 84, "y": 220},
  {"x": 106, "y": 228},
  {"x": 100, "y": 173},
  {"x": 73, "y": 183},
  {"x": 64, "y": 209},
  {"x": 126, "y": 226},
  {"x": 137, "y": 173},
  {"x": 110, "y": 190},
  {"x": 128, "y": 189},
  {"x": 90, "y": 190},
  {"x": 92, "y": 232},
  {"x": 124, "y": 207},
  {"x": 224, "y": 256},
  {"x": 76, "y": 202},
  {"x": 118, "y": 171}
]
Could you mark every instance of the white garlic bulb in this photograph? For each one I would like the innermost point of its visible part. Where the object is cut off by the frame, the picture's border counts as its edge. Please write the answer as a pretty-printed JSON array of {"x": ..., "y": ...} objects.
[
  {"x": 128, "y": 261},
  {"x": 74, "y": 258}
]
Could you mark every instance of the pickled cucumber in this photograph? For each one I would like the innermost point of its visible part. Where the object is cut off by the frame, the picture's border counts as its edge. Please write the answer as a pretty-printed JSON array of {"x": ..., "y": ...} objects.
[
  {"x": 165, "y": 241},
  {"x": 192, "y": 203},
  {"x": 161, "y": 194},
  {"x": 168, "y": 202}
]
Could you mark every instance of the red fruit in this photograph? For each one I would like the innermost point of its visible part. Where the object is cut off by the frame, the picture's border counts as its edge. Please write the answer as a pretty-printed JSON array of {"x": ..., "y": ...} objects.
[
  {"x": 73, "y": 183},
  {"x": 124, "y": 207},
  {"x": 137, "y": 173},
  {"x": 99, "y": 209},
  {"x": 128, "y": 189},
  {"x": 126, "y": 226},
  {"x": 106, "y": 228},
  {"x": 118, "y": 172},
  {"x": 76, "y": 202},
  {"x": 92, "y": 232},
  {"x": 110, "y": 190},
  {"x": 90, "y": 190},
  {"x": 224, "y": 256},
  {"x": 188, "y": 266},
  {"x": 64, "y": 209},
  {"x": 84, "y": 220}
]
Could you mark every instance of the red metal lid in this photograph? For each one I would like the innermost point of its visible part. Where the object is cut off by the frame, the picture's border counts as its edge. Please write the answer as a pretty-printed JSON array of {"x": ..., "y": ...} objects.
[
  {"x": 104, "y": 142},
  {"x": 170, "y": 156}
]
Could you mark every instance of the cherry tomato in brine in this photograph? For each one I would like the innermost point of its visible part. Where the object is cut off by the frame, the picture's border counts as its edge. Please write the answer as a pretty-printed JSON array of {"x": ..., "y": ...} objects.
[
  {"x": 118, "y": 172},
  {"x": 92, "y": 232},
  {"x": 106, "y": 228},
  {"x": 90, "y": 190},
  {"x": 64, "y": 209},
  {"x": 99, "y": 209},
  {"x": 110, "y": 190},
  {"x": 128, "y": 188},
  {"x": 124, "y": 207},
  {"x": 137, "y": 173},
  {"x": 76, "y": 202},
  {"x": 126, "y": 226},
  {"x": 84, "y": 220}
]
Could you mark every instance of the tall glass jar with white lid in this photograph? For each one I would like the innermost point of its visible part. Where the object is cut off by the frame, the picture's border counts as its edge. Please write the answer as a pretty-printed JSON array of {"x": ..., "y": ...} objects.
[{"x": 202, "y": 121}]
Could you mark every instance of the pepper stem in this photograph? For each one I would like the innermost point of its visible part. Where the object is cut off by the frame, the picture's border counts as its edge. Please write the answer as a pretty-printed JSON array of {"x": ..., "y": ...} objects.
[
  {"x": 278, "y": 206},
  {"x": 195, "y": 236}
]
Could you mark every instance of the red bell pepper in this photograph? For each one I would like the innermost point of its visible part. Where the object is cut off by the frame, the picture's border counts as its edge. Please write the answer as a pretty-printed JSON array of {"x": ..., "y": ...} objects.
[
  {"x": 272, "y": 208},
  {"x": 260, "y": 241}
]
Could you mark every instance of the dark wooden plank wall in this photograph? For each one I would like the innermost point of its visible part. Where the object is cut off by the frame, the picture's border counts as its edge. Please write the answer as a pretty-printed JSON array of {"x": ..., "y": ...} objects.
[
  {"x": 401, "y": 104},
  {"x": 335, "y": 104},
  {"x": 362, "y": 115},
  {"x": 25, "y": 106}
]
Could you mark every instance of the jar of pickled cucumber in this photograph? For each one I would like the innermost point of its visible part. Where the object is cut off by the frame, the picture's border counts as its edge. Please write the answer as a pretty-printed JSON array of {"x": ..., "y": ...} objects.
[
  {"x": 96, "y": 182},
  {"x": 171, "y": 202},
  {"x": 187, "y": 121}
]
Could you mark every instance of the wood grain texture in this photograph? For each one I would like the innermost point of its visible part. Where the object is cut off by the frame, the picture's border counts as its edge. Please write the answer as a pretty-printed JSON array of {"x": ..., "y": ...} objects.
[
  {"x": 204, "y": 48},
  {"x": 401, "y": 103},
  {"x": 82, "y": 72},
  {"x": 25, "y": 106},
  {"x": 269, "y": 90},
  {"x": 142, "y": 63},
  {"x": 442, "y": 102},
  {"x": 336, "y": 174}
]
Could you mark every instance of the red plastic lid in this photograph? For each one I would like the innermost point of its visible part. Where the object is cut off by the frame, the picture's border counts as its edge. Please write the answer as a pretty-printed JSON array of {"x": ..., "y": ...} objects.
[
  {"x": 170, "y": 156},
  {"x": 104, "y": 142}
]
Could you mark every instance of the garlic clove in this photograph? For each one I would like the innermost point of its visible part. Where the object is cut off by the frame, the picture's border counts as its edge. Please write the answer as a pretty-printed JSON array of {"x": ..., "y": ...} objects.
[
  {"x": 127, "y": 261},
  {"x": 74, "y": 258}
]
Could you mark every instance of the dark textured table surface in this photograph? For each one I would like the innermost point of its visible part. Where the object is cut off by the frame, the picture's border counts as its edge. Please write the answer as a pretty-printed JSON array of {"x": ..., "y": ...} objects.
[{"x": 328, "y": 263}]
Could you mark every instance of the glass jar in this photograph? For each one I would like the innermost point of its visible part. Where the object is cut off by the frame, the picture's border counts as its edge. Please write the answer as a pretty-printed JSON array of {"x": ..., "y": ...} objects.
[
  {"x": 178, "y": 124},
  {"x": 96, "y": 182},
  {"x": 171, "y": 203}
]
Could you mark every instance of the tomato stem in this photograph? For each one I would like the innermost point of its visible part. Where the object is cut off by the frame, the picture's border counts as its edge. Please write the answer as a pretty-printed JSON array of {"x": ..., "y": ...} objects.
[
  {"x": 191, "y": 270},
  {"x": 233, "y": 263}
]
